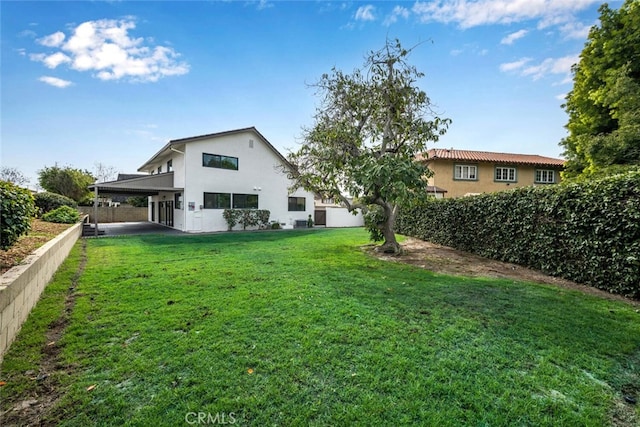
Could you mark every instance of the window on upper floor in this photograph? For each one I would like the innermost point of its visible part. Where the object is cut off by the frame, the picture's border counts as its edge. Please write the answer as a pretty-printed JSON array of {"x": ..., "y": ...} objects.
[
  {"x": 170, "y": 165},
  {"x": 297, "y": 204},
  {"x": 505, "y": 174},
  {"x": 219, "y": 161},
  {"x": 217, "y": 200},
  {"x": 545, "y": 176},
  {"x": 468, "y": 172},
  {"x": 159, "y": 169}
]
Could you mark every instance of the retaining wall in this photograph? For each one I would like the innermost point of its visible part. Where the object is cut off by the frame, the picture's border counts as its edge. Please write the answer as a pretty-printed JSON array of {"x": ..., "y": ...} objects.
[{"x": 21, "y": 287}]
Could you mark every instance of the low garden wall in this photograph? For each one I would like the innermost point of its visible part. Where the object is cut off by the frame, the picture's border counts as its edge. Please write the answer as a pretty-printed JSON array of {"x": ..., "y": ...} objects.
[{"x": 21, "y": 287}]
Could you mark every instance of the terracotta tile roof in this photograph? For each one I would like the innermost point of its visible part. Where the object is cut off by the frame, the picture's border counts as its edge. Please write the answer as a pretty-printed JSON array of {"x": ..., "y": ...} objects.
[{"x": 487, "y": 156}]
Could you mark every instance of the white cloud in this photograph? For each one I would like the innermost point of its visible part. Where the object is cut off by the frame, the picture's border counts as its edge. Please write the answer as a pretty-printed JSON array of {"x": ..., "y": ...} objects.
[
  {"x": 561, "y": 97},
  {"x": 54, "y": 81},
  {"x": 575, "y": 30},
  {"x": 560, "y": 66},
  {"x": 513, "y": 37},
  {"x": 471, "y": 13},
  {"x": 365, "y": 13},
  {"x": 513, "y": 66},
  {"x": 52, "y": 40},
  {"x": 106, "y": 48},
  {"x": 397, "y": 12}
]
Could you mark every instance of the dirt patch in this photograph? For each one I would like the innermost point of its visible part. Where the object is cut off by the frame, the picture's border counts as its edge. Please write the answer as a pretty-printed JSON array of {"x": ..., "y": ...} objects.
[
  {"x": 446, "y": 260},
  {"x": 41, "y": 232},
  {"x": 36, "y": 408}
]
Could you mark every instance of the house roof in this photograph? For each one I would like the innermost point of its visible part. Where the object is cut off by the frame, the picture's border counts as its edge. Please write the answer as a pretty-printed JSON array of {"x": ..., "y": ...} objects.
[
  {"x": 434, "y": 189},
  {"x": 487, "y": 156},
  {"x": 175, "y": 142}
]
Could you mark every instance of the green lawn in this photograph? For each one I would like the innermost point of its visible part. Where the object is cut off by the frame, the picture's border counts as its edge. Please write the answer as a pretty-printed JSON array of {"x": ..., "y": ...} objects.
[{"x": 304, "y": 328}]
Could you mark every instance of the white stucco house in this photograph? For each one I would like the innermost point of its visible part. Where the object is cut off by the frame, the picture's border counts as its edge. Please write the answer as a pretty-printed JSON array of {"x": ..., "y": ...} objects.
[{"x": 191, "y": 181}]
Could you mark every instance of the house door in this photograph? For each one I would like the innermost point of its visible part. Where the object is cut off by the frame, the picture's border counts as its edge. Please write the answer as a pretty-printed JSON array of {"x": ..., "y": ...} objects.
[
  {"x": 320, "y": 217},
  {"x": 165, "y": 213}
]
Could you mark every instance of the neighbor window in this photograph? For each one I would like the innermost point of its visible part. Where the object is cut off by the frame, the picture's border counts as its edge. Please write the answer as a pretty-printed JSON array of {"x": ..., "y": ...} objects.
[
  {"x": 297, "y": 204},
  {"x": 245, "y": 201},
  {"x": 170, "y": 166},
  {"x": 217, "y": 200},
  {"x": 544, "y": 176},
  {"x": 466, "y": 172},
  {"x": 220, "y": 162},
  {"x": 177, "y": 200},
  {"x": 505, "y": 174}
]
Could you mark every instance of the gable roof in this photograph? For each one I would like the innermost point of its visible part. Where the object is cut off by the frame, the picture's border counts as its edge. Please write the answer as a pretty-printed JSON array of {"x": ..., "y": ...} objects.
[
  {"x": 488, "y": 156},
  {"x": 181, "y": 141}
]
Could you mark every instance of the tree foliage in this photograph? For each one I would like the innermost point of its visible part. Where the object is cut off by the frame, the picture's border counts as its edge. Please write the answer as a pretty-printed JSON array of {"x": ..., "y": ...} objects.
[
  {"x": 604, "y": 105},
  {"x": 46, "y": 202},
  {"x": 67, "y": 181},
  {"x": 368, "y": 129},
  {"x": 16, "y": 211}
]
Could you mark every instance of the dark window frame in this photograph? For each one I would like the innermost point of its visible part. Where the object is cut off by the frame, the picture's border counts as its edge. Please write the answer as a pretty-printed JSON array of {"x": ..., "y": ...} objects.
[
  {"x": 215, "y": 200},
  {"x": 219, "y": 161},
  {"x": 294, "y": 202},
  {"x": 242, "y": 201}
]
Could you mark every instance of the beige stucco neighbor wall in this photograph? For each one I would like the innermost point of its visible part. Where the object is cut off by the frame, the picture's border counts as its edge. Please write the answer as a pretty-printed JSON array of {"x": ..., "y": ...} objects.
[
  {"x": 443, "y": 178},
  {"x": 117, "y": 214},
  {"x": 20, "y": 287}
]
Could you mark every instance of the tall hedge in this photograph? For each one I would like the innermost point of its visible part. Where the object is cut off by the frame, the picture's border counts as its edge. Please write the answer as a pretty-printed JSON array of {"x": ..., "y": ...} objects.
[
  {"x": 16, "y": 211},
  {"x": 46, "y": 202},
  {"x": 588, "y": 232}
]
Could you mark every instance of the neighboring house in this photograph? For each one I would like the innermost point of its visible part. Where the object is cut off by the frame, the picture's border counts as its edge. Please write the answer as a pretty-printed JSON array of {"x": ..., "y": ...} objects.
[
  {"x": 465, "y": 172},
  {"x": 190, "y": 182}
]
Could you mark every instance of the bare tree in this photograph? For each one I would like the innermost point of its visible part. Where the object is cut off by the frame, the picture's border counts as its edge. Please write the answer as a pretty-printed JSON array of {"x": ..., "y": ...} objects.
[
  {"x": 13, "y": 176},
  {"x": 104, "y": 173}
]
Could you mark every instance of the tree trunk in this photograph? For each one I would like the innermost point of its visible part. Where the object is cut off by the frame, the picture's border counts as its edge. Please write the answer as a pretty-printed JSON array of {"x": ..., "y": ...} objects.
[{"x": 390, "y": 245}]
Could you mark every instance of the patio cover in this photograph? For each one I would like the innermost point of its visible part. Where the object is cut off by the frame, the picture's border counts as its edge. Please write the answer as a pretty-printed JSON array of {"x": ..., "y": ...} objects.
[{"x": 149, "y": 185}]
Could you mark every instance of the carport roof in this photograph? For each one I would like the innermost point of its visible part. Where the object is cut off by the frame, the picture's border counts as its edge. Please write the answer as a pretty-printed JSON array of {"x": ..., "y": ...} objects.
[{"x": 149, "y": 185}]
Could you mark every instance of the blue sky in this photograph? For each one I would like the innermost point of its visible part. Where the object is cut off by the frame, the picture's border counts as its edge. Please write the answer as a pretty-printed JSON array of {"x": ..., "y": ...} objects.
[{"x": 111, "y": 82}]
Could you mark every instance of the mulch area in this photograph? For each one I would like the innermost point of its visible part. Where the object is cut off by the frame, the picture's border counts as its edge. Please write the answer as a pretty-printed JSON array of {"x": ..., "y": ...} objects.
[{"x": 41, "y": 232}]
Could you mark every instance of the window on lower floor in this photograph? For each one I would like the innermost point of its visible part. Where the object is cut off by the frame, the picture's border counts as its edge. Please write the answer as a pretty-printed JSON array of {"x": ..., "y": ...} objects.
[
  {"x": 217, "y": 200},
  {"x": 297, "y": 204},
  {"x": 245, "y": 201},
  {"x": 505, "y": 174},
  {"x": 545, "y": 176},
  {"x": 177, "y": 200},
  {"x": 469, "y": 172}
]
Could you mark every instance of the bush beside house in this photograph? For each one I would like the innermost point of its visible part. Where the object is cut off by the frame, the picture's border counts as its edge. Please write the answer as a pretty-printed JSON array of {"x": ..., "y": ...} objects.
[
  {"x": 588, "y": 232},
  {"x": 62, "y": 215},
  {"x": 16, "y": 211}
]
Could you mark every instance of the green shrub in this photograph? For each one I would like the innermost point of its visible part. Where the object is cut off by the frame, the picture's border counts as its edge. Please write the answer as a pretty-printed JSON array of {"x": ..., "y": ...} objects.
[
  {"x": 374, "y": 220},
  {"x": 246, "y": 217},
  {"x": 46, "y": 202},
  {"x": 63, "y": 215},
  {"x": 16, "y": 212},
  {"x": 588, "y": 232}
]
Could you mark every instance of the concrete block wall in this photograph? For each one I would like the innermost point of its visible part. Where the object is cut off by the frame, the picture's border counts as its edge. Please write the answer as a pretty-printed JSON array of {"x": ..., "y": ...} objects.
[
  {"x": 21, "y": 287},
  {"x": 117, "y": 214}
]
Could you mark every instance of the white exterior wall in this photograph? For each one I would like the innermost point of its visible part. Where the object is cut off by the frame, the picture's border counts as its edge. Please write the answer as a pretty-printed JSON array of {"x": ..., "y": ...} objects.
[
  {"x": 258, "y": 173},
  {"x": 341, "y": 217}
]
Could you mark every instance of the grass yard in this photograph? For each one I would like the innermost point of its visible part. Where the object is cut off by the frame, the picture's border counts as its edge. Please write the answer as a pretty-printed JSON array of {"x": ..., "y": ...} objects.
[{"x": 304, "y": 328}]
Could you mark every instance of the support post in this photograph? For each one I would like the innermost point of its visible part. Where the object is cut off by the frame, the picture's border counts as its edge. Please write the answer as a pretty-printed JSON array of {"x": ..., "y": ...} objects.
[{"x": 95, "y": 210}]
